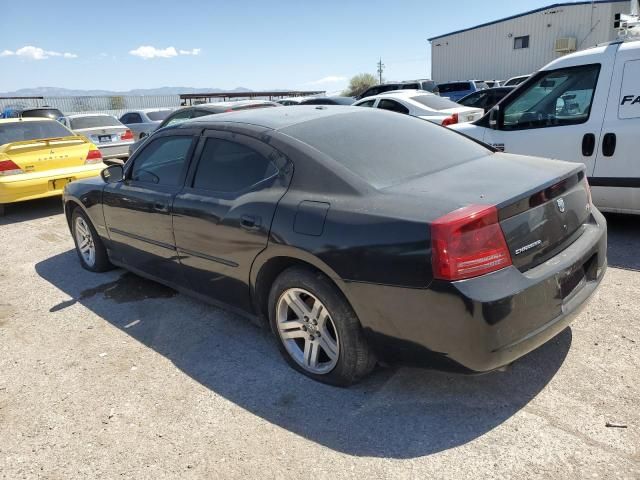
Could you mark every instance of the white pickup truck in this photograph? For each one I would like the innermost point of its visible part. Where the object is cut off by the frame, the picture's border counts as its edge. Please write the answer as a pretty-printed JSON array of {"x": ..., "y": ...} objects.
[{"x": 583, "y": 107}]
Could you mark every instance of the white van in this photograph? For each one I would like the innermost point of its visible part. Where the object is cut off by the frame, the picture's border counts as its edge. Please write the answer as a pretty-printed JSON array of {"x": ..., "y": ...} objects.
[{"x": 583, "y": 107}]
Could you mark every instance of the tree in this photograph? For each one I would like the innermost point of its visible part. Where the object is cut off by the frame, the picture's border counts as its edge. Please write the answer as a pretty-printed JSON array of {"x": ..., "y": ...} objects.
[{"x": 359, "y": 83}]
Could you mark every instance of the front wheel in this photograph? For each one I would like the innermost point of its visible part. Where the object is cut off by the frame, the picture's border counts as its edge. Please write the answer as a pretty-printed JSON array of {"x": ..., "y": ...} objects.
[
  {"x": 317, "y": 330},
  {"x": 91, "y": 251}
]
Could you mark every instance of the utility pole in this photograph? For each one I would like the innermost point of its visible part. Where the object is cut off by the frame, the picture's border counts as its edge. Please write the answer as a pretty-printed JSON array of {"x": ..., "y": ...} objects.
[{"x": 380, "y": 69}]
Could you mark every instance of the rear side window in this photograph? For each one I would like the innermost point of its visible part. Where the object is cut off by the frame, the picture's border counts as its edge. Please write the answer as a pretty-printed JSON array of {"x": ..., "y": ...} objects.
[
  {"x": 384, "y": 152},
  {"x": 230, "y": 167},
  {"x": 23, "y": 131},
  {"x": 392, "y": 105},
  {"x": 94, "y": 122},
  {"x": 454, "y": 87},
  {"x": 629, "y": 106},
  {"x": 162, "y": 161}
]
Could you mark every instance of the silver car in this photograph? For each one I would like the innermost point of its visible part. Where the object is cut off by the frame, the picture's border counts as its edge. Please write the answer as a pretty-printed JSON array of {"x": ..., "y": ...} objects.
[
  {"x": 144, "y": 122},
  {"x": 105, "y": 131}
]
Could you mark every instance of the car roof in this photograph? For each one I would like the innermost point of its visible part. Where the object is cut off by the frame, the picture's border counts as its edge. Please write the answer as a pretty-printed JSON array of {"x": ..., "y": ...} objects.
[
  {"x": 28, "y": 119},
  {"x": 272, "y": 118}
]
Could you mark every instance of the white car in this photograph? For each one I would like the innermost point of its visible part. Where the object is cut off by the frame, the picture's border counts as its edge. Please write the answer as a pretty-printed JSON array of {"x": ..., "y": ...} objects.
[
  {"x": 583, "y": 107},
  {"x": 425, "y": 105},
  {"x": 105, "y": 131}
]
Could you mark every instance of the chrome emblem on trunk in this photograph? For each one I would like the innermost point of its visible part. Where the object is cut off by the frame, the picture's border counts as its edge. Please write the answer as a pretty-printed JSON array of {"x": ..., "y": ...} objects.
[{"x": 560, "y": 203}]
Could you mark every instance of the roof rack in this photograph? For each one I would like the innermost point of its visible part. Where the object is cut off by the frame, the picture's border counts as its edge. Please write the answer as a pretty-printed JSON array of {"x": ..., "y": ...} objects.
[{"x": 629, "y": 25}]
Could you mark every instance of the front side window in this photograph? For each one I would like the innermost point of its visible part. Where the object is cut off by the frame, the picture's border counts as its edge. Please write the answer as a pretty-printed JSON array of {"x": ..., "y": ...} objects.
[
  {"x": 521, "y": 42},
  {"x": 556, "y": 98},
  {"x": 162, "y": 161},
  {"x": 392, "y": 106},
  {"x": 229, "y": 167}
]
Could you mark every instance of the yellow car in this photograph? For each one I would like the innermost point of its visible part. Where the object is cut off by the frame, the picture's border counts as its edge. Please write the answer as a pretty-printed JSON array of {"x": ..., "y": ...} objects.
[{"x": 39, "y": 156}]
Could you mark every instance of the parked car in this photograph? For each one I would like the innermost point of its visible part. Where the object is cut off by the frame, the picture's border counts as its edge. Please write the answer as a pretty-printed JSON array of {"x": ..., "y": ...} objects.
[
  {"x": 457, "y": 90},
  {"x": 144, "y": 122},
  {"x": 493, "y": 83},
  {"x": 39, "y": 156},
  {"x": 389, "y": 226},
  {"x": 200, "y": 110},
  {"x": 32, "y": 112},
  {"x": 485, "y": 99},
  {"x": 424, "y": 105},
  {"x": 425, "y": 84},
  {"x": 513, "y": 81},
  {"x": 112, "y": 137},
  {"x": 583, "y": 107},
  {"x": 288, "y": 102},
  {"x": 328, "y": 101}
]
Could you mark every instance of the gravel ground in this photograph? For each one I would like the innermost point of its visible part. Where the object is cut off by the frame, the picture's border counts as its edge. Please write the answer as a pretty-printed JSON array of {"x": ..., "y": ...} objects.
[{"x": 112, "y": 376}]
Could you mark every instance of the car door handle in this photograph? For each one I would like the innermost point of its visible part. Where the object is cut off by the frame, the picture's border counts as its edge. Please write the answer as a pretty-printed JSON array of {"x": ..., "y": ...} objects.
[
  {"x": 609, "y": 144},
  {"x": 588, "y": 144},
  {"x": 249, "y": 222},
  {"x": 161, "y": 207}
]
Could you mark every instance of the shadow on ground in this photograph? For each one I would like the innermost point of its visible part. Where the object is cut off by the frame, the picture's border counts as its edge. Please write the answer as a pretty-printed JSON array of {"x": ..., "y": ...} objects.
[
  {"x": 624, "y": 241},
  {"x": 31, "y": 210},
  {"x": 397, "y": 413}
]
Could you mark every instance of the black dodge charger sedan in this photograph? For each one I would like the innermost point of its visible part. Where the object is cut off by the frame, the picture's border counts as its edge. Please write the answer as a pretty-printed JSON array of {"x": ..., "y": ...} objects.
[{"x": 356, "y": 233}]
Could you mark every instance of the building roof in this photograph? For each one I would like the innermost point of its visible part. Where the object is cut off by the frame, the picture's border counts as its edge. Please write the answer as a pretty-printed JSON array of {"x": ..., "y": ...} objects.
[{"x": 555, "y": 5}]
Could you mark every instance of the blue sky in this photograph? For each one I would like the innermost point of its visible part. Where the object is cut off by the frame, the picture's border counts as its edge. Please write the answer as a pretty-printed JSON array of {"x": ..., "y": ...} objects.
[{"x": 255, "y": 44}]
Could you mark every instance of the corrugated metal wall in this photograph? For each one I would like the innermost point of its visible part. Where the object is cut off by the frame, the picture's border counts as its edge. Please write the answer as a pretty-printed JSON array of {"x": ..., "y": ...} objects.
[{"x": 487, "y": 53}]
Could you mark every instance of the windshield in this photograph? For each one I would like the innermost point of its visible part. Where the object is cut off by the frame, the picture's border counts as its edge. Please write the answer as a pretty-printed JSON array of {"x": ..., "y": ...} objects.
[
  {"x": 385, "y": 153},
  {"x": 94, "y": 121},
  {"x": 435, "y": 102},
  {"x": 158, "y": 115},
  {"x": 453, "y": 87},
  {"x": 21, "y": 131}
]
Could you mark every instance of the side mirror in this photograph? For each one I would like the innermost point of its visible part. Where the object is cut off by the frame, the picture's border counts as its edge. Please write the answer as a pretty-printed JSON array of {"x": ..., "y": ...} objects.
[
  {"x": 112, "y": 174},
  {"x": 495, "y": 118}
]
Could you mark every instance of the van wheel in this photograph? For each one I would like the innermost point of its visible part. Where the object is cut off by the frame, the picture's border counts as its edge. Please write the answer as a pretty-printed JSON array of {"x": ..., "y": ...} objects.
[
  {"x": 318, "y": 332},
  {"x": 89, "y": 247}
]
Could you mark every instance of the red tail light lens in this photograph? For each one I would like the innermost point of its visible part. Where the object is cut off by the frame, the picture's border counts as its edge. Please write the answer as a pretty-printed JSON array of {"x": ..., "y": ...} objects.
[
  {"x": 93, "y": 156},
  {"x": 467, "y": 243},
  {"x": 8, "y": 167},
  {"x": 128, "y": 135},
  {"x": 452, "y": 120}
]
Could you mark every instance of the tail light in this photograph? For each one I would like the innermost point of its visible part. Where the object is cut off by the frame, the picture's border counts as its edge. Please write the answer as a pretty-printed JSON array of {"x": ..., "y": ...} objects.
[
  {"x": 588, "y": 189},
  {"x": 128, "y": 135},
  {"x": 468, "y": 242},
  {"x": 93, "y": 156},
  {"x": 8, "y": 167},
  {"x": 452, "y": 120}
]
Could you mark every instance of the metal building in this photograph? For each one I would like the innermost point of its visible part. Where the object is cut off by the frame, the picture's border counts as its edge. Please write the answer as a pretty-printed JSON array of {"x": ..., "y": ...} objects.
[{"x": 522, "y": 44}]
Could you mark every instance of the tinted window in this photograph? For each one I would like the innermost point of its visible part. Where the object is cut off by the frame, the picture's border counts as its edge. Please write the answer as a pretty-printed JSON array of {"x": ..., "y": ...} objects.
[
  {"x": 162, "y": 161},
  {"x": 453, "y": 87},
  {"x": 478, "y": 99},
  {"x": 53, "y": 113},
  {"x": 21, "y": 131},
  {"x": 131, "y": 118},
  {"x": 383, "y": 149},
  {"x": 410, "y": 86},
  {"x": 94, "y": 122},
  {"x": 159, "y": 115},
  {"x": 559, "y": 97},
  {"x": 392, "y": 105},
  {"x": 435, "y": 102},
  {"x": 230, "y": 167}
]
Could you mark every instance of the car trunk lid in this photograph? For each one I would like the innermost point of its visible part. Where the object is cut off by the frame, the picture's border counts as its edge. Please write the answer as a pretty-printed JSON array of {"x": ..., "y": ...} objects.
[
  {"x": 103, "y": 136},
  {"x": 47, "y": 154}
]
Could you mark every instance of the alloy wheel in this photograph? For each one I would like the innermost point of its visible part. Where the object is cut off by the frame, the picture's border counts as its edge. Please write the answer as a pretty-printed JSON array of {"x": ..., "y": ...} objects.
[{"x": 84, "y": 240}]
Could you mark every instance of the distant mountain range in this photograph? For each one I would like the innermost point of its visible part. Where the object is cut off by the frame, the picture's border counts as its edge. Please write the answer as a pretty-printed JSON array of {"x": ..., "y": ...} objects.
[{"x": 66, "y": 92}]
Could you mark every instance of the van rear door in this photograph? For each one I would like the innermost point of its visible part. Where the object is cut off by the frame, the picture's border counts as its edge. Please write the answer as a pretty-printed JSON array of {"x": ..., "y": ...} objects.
[{"x": 616, "y": 179}]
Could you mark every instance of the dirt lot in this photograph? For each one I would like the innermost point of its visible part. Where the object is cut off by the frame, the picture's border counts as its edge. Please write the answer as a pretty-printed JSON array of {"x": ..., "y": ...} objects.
[{"x": 112, "y": 376}]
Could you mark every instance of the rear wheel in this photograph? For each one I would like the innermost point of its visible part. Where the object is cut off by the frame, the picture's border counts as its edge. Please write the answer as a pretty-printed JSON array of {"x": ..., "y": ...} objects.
[
  {"x": 91, "y": 251},
  {"x": 318, "y": 332}
]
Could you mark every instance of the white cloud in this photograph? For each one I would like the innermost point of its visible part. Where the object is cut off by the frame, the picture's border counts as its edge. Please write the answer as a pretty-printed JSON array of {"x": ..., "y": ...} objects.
[
  {"x": 36, "y": 53},
  {"x": 147, "y": 52},
  {"x": 329, "y": 79}
]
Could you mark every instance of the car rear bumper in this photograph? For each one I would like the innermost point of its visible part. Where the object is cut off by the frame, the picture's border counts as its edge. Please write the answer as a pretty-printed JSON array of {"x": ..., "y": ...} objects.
[
  {"x": 120, "y": 150},
  {"x": 484, "y": 323},
  {"x": 48, "y": 183}
]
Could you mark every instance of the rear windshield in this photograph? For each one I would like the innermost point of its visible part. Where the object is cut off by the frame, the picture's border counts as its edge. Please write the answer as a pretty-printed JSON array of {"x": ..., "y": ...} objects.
[
  {"x": 94, "y": 122},
  {"x": 160, "y": 115},
  {"x": 21, "y": 131},
  {"x": 453, "y": 87},
  {"x": 385, "y": 148},
  {"x": 43, "y": 113},
  {"x": 435, "y": 102}
]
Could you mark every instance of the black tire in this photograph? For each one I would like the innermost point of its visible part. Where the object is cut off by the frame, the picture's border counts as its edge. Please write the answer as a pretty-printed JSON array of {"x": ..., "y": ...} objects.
[
  {"x": 355, "y": 359},
  {"x": 2, "y": 210},
  {"x": 101, "y": 262}
]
